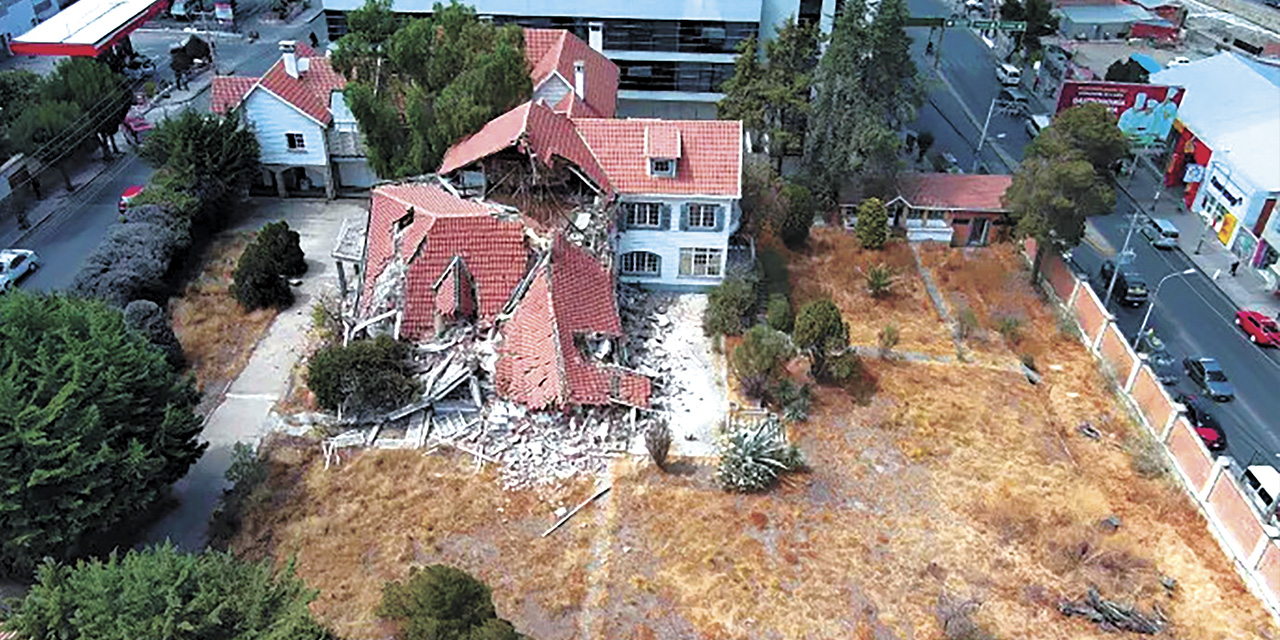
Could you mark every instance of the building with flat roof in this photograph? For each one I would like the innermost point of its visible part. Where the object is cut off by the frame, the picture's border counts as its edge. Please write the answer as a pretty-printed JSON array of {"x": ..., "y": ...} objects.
[
  {"x": 672, "y": 55},
  {"x": 1101, "y": 22}
]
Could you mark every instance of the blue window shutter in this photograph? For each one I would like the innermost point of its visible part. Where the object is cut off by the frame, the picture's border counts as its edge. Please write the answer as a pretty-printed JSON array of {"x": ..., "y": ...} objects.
[
  {"x": 720, "y": 216},
  {"x": 622, "y": 216},
  {"x": 684, "y": 217},
  {"x": 664, "y": 217}
]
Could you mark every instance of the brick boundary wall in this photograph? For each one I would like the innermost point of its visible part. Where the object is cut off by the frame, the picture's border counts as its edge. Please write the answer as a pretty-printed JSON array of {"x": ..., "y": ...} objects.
[{"x": 1252, "y": 545}]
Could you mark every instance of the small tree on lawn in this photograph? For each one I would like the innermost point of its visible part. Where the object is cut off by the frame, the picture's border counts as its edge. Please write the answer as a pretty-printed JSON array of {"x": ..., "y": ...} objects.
[
  {"x": 439, "y": 602},
  {"x": 760, "y": 358},
  {"x": 752, "y": 458},
  {"x": 879, "y": 280},
  {"x": 365, "y": 375},
  {"x": 820, "y": 330},
  {"x": 778, "y": 313},
  {"x": 727, "y": 304},
  {"x": 873, "y": 224},
  {"x": 799, "y": 209},
  {"x": 261, "y": 275}
]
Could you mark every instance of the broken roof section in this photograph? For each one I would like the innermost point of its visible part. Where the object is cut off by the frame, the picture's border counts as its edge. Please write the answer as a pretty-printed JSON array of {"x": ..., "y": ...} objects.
[
  {"x": 534, "y": 130},
  {"x": 552, "y": 55},
  {"x": 560, "y": 343},
  {"x": 307, "y": 85},
  {"x": 473, "y": 253}
]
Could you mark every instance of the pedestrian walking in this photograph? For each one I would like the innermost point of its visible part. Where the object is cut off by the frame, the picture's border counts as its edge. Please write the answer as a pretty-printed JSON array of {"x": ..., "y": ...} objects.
[{"x": 1235, "y": 265}]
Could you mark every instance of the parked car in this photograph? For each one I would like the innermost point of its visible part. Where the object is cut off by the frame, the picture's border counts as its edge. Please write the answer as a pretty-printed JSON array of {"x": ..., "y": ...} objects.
[
  {"x": 1037, "y": 123},
  {"x": 1014, "y": 100},
  {"x": 1208, "y": 375},
  {"x": 1162, "y": 363},
  {"x": 1162, "y": 233},
  {"x": 1178, "y": 62},
  {"x": 1215, "y": 439},
  {"x": 1131, "y": 287},
  {"x": 126, "y": 198},
  {"x": 1008, "y": 75},
  {"x": 1261, "y": 330},
  {"x": 952, "y": 163},
  {"x": 16, "y": 264}
]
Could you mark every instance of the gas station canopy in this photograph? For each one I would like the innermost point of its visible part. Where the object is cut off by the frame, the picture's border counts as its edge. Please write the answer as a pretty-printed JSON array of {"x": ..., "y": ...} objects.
[{"x": 86, "y": 28}]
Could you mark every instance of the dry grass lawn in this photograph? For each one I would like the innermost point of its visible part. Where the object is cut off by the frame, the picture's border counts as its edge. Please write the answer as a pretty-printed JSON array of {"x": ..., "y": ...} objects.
[
  {"x": 217, "y": 335},
  {"x": 958, "y": 482}
]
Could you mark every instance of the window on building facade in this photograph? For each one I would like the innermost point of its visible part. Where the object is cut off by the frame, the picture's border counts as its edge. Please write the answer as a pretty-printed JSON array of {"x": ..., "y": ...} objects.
[
  {"x": 702, "y": 216},
  {"x": 700, "y": 262},
  {"x": 693, "y": 77},
  {"x": 662, "y": 168},
  {"x": 641, "y": 263},
  {"x": 643, "y": 214},
  {"x": 295, "y": 141}
]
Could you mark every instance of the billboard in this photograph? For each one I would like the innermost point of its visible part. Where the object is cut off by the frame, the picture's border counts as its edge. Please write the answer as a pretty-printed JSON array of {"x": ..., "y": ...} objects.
[{"x": 1146, "y": 111}]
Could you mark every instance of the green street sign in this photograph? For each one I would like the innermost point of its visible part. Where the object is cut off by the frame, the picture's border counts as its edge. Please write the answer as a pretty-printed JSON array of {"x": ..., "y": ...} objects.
[
  {"x": 1011, "y": 25},
  {"x": 983, "y": 24}
]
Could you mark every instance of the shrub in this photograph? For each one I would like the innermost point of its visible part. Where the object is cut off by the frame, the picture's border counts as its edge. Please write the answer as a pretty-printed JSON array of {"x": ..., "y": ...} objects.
[
  {"x": 778, "y": 313},
  {"x": 136, "y": 258},
  {"x": 439, "y": 602},
  {"x": 759, "y": 359},
  {"x": 762, "y": 203},
  {"x": 845, "y": 367},
  {"x": 148, "y": 319},
  {"x": 1010, "y": 326},
  {"x": 873, "y": 224},
  {"x": 1146, "y": 455},
  {"x": 365, "y": 375},
  {"x": 888, "y": 338},
  {"x": 727, "y": 304},
  {"x": 820, "y": 330},
  {"x": 261, "y": 274},
  {"x": 966, "y": 322},
  {"x": 797, "y": 218},
  {"x": 752, "y": 459},
  {"x": 880, "y": 280},
  {"x": 657, "y": 439},
  {"x": 284, "y": 246},
  {"x": 773, "y": 267},
  {"x": 795, "y": 399}
]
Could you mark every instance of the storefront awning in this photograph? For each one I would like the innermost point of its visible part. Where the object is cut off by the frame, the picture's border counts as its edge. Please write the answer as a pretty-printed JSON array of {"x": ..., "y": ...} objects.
[{"x": 86, "y": 28}]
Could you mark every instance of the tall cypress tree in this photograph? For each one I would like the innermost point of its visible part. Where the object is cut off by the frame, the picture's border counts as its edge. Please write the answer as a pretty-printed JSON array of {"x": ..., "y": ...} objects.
[{"x": 95, "y": 424}]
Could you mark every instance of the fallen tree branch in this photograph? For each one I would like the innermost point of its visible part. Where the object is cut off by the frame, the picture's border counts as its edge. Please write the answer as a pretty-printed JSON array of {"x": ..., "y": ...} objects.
[
  {"x": 576, "y": 509},
  {"x": 1110, "y": 616}
]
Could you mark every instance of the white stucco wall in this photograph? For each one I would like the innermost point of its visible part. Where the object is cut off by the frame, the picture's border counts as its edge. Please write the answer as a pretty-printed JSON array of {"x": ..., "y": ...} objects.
[
  {"x": 271, "y": 119},
  {"x": 667, "y": 243}
]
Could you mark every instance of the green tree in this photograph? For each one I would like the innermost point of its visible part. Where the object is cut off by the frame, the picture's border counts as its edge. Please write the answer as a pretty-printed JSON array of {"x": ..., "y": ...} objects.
[
  {"x": 752, "y": 458},
  {"x": 1054, "y": 190},
  {"x": 778, "y": 313},
  {"x": 261, "y": 276},
  {"x": 798, "y": 212},
  {"x": 820, "y": 330},
  {"x": 363, "y": 375},
  {"x": 439, "y": 602},
  {"x": 866, "y": 89},
  {"x": 1091, "y": 129},
  {"x": 101, "y": 94},
  {"x": 762, "y": 204},
  {"x": 772, "y": 99},
  {"x": 160, "y": 592},
  {"x": 418, "y": 88},
  {"x": 94, "y": 426},
  {"x": 727, "y": 304},
  {"x": 1040, "y": 21},
  {"x": 873, "y": 224},
  {"x": 18, "y": 91},
  {"x": 205, "y": 153},
  {"x": 48, "y": 132},
  {"x": 760, "y": 358},
  {"x": 1127, "y": 70}
]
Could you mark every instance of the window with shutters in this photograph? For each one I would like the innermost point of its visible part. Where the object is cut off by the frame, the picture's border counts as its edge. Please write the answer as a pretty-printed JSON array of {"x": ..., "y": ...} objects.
[
  {"x": 699, "y": 262},
  {"x": 295, "y": 141},
  {"x": 702, "y": 216},
  {"x": 643, "y": 215},
  {"x": 641, "y": 263}
]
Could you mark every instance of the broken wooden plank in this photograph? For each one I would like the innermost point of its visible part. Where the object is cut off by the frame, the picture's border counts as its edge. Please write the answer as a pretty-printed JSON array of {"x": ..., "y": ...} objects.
[{"x": 576, "y": 509}]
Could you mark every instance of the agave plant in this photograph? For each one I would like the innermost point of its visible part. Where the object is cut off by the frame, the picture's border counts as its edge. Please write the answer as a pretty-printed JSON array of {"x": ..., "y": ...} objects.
[{"x": 752, "y": 458}]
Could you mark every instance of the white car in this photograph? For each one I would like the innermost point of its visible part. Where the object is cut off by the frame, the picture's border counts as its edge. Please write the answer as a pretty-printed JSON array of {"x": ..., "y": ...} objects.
[
  {"x": 1179, "y": 61},
  {"x": 15, "y": 264}
]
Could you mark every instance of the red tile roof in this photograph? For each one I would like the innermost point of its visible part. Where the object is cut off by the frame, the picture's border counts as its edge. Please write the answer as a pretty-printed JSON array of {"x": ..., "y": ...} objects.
[
  {"x": 310, "y": 93},
  {"x": 710, "y": 162},
  {"x": 536, "y": 130},
  {"x": 662, "y": 141},
  {"x": 229, "y": 91},
  {"x": 493, "y": 251},
  {"x": 954, "y": 191},
  {"x": 552, "y": 51},
  {"x": 540, "y": 365}
]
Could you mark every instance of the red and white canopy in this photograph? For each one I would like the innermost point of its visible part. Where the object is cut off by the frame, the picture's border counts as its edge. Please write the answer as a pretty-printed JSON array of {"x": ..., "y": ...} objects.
[{"x": 86, "y": 28}]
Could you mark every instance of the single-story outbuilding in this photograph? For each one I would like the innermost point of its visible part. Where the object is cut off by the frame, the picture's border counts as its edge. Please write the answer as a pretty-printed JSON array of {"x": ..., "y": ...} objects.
[
  {"x": 956, "y": 208},
  {"x": 1101, "y": 22}
]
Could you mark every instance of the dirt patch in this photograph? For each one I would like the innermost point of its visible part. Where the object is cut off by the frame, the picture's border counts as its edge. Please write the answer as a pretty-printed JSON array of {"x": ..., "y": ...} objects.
[
  {"x": 832, "y": 265},
  {"x": 216, "y": 333}
]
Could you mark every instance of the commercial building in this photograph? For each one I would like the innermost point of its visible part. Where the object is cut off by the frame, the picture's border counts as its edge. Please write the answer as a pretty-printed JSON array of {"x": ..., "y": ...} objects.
[
  {"x": 1227, "y": 152},
  {"x": 672, "y": 55},
  {"x": 1104, "y": 22}
]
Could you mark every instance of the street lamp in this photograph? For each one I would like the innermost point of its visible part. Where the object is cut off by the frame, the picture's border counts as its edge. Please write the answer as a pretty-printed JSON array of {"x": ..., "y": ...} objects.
[
  {"x": 1151, "y": 305},
  {"x": 1124, "y": 250}
]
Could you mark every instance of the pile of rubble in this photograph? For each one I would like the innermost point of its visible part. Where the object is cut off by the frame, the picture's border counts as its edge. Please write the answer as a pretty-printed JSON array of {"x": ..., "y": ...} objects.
[{"x": 665, "y": 342}]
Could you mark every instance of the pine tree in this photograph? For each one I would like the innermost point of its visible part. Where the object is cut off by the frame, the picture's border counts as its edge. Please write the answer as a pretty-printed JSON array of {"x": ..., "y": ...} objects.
[{"x": 94, "y": 426}]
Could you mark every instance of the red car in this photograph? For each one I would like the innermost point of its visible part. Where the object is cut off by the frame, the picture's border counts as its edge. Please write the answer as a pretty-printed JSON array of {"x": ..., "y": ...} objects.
[
  {"x": 1260, "y": 329},
  {"x": 126, "y": 198}
]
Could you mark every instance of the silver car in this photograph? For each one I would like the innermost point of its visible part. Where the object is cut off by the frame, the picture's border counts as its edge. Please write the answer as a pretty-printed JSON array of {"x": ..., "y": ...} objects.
[
  {"x": 1161, "y": 232},
  {"x": 14, "y": 265}
]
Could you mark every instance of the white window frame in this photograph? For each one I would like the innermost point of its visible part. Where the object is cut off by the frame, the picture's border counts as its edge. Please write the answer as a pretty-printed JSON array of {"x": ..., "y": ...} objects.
[
  {"x": 651, "y": 211},
  {"x": 701, "y": 262},
  {"x": 698, "y": 215},
  {"x": 295, "y": 141},
  {"x": 651, "y": 263},
  {"x": 668, "y": 171}
]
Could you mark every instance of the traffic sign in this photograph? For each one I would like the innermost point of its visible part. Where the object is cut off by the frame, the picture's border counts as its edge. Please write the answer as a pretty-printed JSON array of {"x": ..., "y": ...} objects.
[
  {"x": 1011, "y": 25},
  {"x": 982, "y": 24}
]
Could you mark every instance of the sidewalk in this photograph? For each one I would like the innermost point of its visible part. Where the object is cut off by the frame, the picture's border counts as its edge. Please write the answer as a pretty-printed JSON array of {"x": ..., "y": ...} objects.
[
  {"x": 57, "y": 198},
  {"x": 1247, "y": 289}
]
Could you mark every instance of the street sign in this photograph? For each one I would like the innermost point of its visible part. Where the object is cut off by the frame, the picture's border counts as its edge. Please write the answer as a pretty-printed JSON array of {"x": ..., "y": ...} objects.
[
  {"x": 982, "y": 24},
  {"x": 1011, "y": 25}
]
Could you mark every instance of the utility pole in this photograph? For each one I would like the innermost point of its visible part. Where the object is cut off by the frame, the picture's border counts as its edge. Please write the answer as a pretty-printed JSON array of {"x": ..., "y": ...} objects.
[
  {"x": 983, "y": 138},
  {"x": 1124, "y": 251}
]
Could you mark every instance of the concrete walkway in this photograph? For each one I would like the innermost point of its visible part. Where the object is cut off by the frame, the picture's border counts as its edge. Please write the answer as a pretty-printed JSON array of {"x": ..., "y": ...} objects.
[{"x": 243, "y": 415}]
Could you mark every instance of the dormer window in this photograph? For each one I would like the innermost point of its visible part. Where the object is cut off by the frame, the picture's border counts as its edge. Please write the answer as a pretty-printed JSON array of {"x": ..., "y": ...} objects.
[
  {"x": 662, "y": 167},
  {"x": 662, "y": 149}
]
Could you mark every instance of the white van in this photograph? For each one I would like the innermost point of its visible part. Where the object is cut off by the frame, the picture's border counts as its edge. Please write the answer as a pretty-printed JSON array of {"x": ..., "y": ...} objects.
[
  {"x": 1037, "y": 123},
  {"x": 1008, "y": 75}
]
